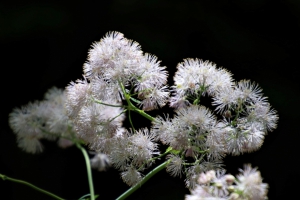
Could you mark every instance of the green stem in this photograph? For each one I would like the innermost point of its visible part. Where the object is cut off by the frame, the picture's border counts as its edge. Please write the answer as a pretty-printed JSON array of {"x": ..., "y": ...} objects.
[
  {"x": 4, "y": 177},
  {"x": 100, "y": 102},
  {"x": 152, "y": 159},
  {"x": 112, "y": 119},
  {"x": 89, "y": 171},
  {"x": 161, "y": 155},
  {"x": 144, "y": 180},
  {"x": 133, "y": 107},
  {"x": 129, "y": 114},
  {"x": 239, "y": 110},
  {"x": 141, "y": 112},
  {"x": 73, "y": 139}
]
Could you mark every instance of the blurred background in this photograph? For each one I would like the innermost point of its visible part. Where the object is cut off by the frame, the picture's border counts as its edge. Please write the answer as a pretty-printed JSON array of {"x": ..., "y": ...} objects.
[{"x": 45, "y": 44}]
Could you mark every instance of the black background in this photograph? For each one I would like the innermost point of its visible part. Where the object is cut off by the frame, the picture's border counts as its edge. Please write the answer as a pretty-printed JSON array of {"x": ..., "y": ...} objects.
[{"x": 45, "y": 44}]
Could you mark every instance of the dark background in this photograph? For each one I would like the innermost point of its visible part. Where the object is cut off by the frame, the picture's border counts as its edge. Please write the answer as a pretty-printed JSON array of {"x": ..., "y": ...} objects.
[{"x": 45, "y": 44}]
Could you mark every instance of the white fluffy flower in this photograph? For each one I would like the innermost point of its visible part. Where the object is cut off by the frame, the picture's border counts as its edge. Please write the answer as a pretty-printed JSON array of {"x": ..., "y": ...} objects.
[
  {"x": 112, "y": 57},
  {"x": 195, "y": 77},
  {"x": 58, "y": 121},
  {"x": 142, "y": 147},
  {"x": 117, "y": 62},
  {"x": 163, "y": 128},
  {"x": 261, "y": 112},
  {"x": 175, "y": 166},
  {"x": 46, "y": 119},
  {"x": 150, "y": 74},
  {"x": 154, "y": 98},
  {"x": 215, "y": 142},
  {"x": 188, "y": 129},
  {"x": 27, "y": 122},
  {"x": 97, "y": 119},
  {"x": 119, "y": 153},
  {"x": 77, "y": 94},
  {"x": 248, "y": 91},
  {"x": 247, "y": 186},
  {"x": 131, "y": 176},
  {"x": 249, "y": 182},
  {"x": 30, "y": 144},
  {"x": 100, "y": 162},
  {"x": 225, "y": 98}
]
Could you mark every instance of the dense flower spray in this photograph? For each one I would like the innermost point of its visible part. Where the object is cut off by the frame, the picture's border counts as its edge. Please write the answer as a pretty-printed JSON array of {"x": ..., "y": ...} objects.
[
  {"x": 213, "y": 185},
  {"x": 119, "y": 79},
  {"x": 45, "y": 119}
]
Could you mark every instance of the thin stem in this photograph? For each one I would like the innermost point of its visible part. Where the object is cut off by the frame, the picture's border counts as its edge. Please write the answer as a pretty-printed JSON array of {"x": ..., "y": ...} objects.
[
  {"x": 141, "y": 112},
  {"x": 124, "y": 111},
  {"x": 73, "y": 139},
  {"x": 239, "y": 110},
  {"x": 89, "y": 171},
  {"x": 4, "y": 177},
  {"x": 157, "y": 157},
  {"x": 133, "y": 107},
  {"x": 131, "y": 123},
  {"x": 144, "y": 180},
  {"x": 161, "y": 155},
  {"x": 100, "y": 102}
]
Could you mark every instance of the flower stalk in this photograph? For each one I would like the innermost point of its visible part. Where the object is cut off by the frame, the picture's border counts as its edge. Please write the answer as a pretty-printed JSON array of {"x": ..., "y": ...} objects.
[
  {"x": 144, "y": 180},
  {"x": 89, "y": 171},
  {"x": 4, "y": 177}
]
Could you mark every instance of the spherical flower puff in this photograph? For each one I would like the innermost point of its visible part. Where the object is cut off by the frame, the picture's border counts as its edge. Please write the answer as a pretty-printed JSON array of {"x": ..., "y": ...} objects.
[
  {"x": 100, "y": 162},
  {"x": 27, "y": 122},
  {"x": 112, "y": 57},
  {"x": 142, "y": 147},
  {"x": 197, "y": 77},
  {"x": 175, "y": 167},
  {"x": 77, "y": 96},
  {"x": 117, "y": 61},
  {"x": 95, "y": 120},
  {"x": 249, "y": 182},
  {"x": 189, "y": 124},
  {"x": 131, "y": 176}
]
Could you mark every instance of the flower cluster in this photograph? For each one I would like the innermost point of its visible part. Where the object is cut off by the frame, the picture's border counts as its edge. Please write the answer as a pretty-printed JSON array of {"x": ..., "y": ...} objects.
[
  {"x": 45, "y": 119},
  {"x": 116, "y": 61},
  {"x": 119, "y": 79},
  {"x": 244, "y": 118},
  {"x": 214, "y": 185}
]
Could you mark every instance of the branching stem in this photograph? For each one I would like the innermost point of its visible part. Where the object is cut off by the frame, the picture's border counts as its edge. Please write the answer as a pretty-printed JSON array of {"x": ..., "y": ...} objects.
[
  {"x": 144, "y": 180},
  {"x": 4, "y": 177}
]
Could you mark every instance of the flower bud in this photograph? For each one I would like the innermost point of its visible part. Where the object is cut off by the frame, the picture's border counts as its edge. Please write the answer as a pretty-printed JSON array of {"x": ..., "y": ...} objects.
[
  {"x": 227, "y": 114},
  {"x": 230, "y": 188},
  {"x": 189, "y": 152},
  {"x": 234, "y": 196},
  {"x": 229, "y": 179},
  {"x": 219, "y": 185}
]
